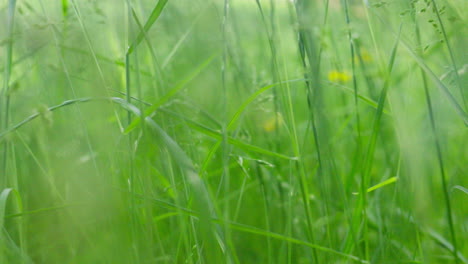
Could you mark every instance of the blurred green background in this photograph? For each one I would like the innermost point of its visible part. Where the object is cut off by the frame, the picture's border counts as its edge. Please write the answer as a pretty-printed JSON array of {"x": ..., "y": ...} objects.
[{"x": 267, "y": 131}]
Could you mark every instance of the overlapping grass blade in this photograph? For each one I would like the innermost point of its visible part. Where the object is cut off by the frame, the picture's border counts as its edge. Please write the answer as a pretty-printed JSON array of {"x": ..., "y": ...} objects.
[
  {"x": 148, "y": 24},
  {"x": 171, "y": 93},
  {"x": 459, "y": 110}
]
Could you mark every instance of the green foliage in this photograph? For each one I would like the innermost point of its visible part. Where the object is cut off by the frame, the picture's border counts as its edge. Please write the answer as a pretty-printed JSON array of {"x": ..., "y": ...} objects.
[{"x": 268, "y": 131}]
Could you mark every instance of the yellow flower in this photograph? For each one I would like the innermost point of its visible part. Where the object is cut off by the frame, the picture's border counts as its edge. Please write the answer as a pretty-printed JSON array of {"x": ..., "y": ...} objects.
[
  {"x": 365, "y": 57},
  {"x": 338, "y": 76},
  {"x": 273, "y": 123}
]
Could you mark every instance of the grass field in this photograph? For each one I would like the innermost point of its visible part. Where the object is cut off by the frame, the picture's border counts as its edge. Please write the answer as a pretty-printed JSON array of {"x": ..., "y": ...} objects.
[{"x": 233, "y": 131}]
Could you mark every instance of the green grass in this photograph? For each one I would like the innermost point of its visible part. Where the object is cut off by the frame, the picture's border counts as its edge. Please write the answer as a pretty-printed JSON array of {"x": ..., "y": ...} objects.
[{"x": 267, "y": 131}]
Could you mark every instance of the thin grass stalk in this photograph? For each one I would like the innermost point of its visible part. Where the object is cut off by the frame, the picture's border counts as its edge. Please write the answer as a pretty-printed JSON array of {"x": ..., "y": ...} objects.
[
  {"x": 160, "y": 81},
  {"x": 435, "y": 135},
  {"x": 352, "y": 49},
  {"x": 311, "y": 54},
  {"x": 225, "y": 179},
  {"x": 5, "y": 95},
  {"x": 307, "y": 54},
  {"x": 270, "y": 32},
  {"x": 369, "y": 157},
  {"x": 131, "y": 169},
  {"x": 452, "y": 56},
  {"x": 358, "y": 152}
]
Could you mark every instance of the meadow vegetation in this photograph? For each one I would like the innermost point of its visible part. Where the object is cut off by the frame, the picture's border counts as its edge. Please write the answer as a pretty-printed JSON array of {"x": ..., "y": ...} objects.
[{"x": 233, "y": 131}]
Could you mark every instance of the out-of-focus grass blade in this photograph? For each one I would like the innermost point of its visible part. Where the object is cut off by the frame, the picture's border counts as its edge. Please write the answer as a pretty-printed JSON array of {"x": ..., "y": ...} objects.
[
  {"x": 237, "y": 143},
  {"x": 436, "y": 237},
  {"x": 460, "y": 188},
  {"x": 443, "y": 242},
  {"x": 64, "y": 8},
  {"x": 171, "y": 93},
  {"x": 251, "y": 98},
  {"x": 3, "y": 200},
  {"x": 360, "y": 212},
  {"x": 438, "y": 82},
  {"x": 252, "y": 230},
  {"x": 380, "y": 185},
  {"x": 53, "y": 108},
  {"x": 201, "y": 197},
  {"x": 149, "y": 23},
  {"x": 258, "y": 231},
  {"x": 38, "y": 211},
  {"x": 179, "y": 43},
  {"x": 100, "y": 57},
  {"x": 365, "y": 99},
  {"x": 207, "y": 131},
  {"x": 6, "y": 242},
  {"x": 450, "y": 51}
]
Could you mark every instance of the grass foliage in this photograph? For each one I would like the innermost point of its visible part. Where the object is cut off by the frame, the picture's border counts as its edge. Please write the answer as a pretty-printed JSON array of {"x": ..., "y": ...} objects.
[{"x": 248, "y": 131}]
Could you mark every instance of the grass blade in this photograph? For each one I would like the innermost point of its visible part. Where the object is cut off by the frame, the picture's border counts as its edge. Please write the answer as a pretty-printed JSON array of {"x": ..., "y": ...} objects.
[
  {"x": 380, "y": 185},
  {"x": 438, "y": 82},
  {"x": 149, "y": 23},
  {"x": 173, "y": 91}
]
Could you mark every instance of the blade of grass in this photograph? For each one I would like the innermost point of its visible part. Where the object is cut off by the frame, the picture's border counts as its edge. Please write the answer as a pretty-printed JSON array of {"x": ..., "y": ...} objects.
[
  {"x": 53, "y": 108},
  {"x": 200, "y": 128},
  {"x": 149, "y": 23},
  {"x": 4, "y": 236},
  {"x": 420, "y": 62},
  {"x": 64, "y": 8},
  {"x": 452, "y": 57},
  {"x": 173, "y": 91},
  {"x": 460, "y": 188},
  {"x": 41, "y": 210},
  {"x": 157, "y": 68},
  {"x": 353, "y": 70},
  {"x": 438, "y": 83},
  {"x": 3, "y": 200},
  {"x": 225, "y": 181},
  {"x": 361, "y": 209},
  {"x": 380, "y": 185},
  {"x": 435, "y": 135},
  {"x": 310, "y": 59},
  {"x": 254, "y": 230},
  {"x": 181, "y": 41},
  {"x": 5, "y": 93},
  {"x": 202, "y": 201},
  {"x": 436, "y": 237},
  {"x": 365, "y": 99}
]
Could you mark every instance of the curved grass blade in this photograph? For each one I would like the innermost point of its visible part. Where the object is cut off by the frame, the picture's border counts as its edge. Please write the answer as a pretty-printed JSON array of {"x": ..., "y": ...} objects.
[
  {"x": 460, "y": 188},
  {"x": 53, "y": 108}
]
